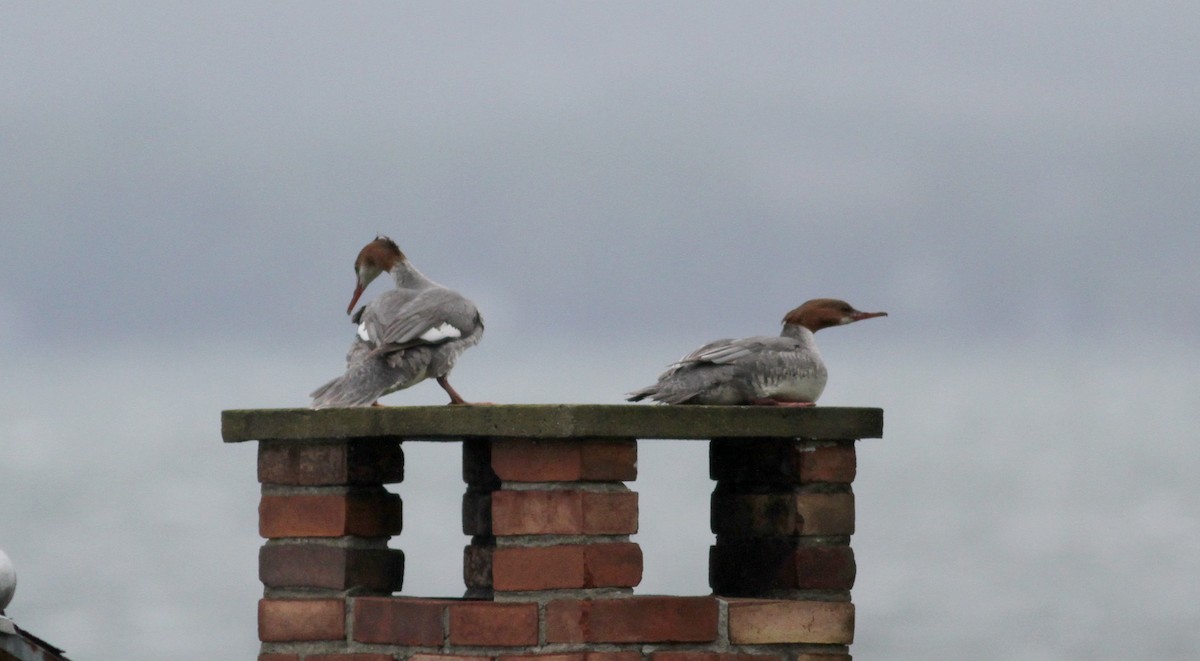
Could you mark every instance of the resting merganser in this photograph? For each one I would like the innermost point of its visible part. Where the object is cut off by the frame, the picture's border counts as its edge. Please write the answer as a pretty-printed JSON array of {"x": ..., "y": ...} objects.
[
  {"x": 777, "y": 371},
  {"x": 411, "y": 333}
]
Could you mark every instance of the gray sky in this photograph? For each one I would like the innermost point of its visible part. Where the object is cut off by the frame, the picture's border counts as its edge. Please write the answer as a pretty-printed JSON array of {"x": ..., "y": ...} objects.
[{"x": 183, "y": 190}]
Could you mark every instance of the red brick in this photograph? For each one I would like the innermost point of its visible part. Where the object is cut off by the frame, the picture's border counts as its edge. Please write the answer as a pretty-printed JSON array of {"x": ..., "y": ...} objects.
[
  {"x": 340, "y": 462},
  {"x": 365, "y": 514},
  {"x": 527, "y": 460},
  {"x": 608, "y": 460},
  {"x": 567, "y": 566},
  {"x": 632, "y": 620},
  {"x": 825, "y": 567},
  {"x": 618, "y": 564},
  {"x": 833, "y": 463},
  {"x": 330, "y": 567},
  {"x": 278, "y": 657},
  {"x": 610, "y": 513},
  {"x": 538, "y": 568},
  {"x": 764, "y": 622},
  {"x": 446, "y": 657},
  {"x": 782, "y": 514},
  {"x": 400, "y": 621},
  {"x": 711, "y": 656},
  {"x": 286, "y": 620},
  {"x": 565, "y": 460},
  {"x": 537, "y": 513},
  {"x": 564, "y": 512},
  {"x": 492, "y": 624}
]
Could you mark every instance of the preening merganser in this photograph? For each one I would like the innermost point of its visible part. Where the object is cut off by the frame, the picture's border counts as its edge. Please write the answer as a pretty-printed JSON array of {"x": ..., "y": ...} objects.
[
  {"x": 779, "y": 371},
  {"x": 411, "y": 333}
]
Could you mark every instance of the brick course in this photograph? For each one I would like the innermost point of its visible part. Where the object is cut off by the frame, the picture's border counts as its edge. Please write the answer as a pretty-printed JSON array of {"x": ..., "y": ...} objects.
[
  {"x": 632, "y": 620},
  {"x": 563, "y": 460},
  {"x": 782, "y": 514},
  {"x": 563, "y": 513},
  {"x": 361, "y": 513},
  {"x": 330, "y": 463},
  {"x": 331, "y": 567}
]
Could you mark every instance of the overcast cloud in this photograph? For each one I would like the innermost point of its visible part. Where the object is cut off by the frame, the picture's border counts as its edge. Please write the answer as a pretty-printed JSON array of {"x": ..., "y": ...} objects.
[{"x": 183, "y": 189}]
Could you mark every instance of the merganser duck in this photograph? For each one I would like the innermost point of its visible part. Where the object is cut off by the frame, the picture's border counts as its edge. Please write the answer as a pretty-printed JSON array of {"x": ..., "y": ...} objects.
[
  {"x": 411, "y": 333},
  {"x": 776, "y": 371}
]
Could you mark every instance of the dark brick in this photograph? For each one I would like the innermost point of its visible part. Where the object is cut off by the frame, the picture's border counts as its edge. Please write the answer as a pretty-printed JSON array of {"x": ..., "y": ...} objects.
[
  {"x": 331, "y": 567},
  {"x": 747, "y": 567},
  {"x": 333, "y": 462}
]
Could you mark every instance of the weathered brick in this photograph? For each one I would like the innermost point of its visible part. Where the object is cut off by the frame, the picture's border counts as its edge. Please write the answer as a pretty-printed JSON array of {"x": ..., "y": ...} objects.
[
  {"x": 333, "y": 462},
  {"x": 477, "y": 513},
  {"x": 564, "y": 460},
  {"x": 782, "y": 514},
  {"x": 330, "y": 567},
  {"x": 763, "y": 622},
  {"x": 447, "y": 657},
  {"x": 400, "y": 621},
  {"x": 610, "y": 513},
  {"x": 632, "y": 620},
  {"x": 477, "y": 566},
  {"x": 826, "y": 513},
  {"x": 834, "y": 463},
  {"x": 477, "y": 464},
  {"x": 492, "y": 624},
  {"x": 780, "y": 461},
  {"x": 362, "y": 513},
  {"x": 278, "y": 657},
  {"x": 286, "y": 620},
  {"x": 537, "y": 513},
  {"x": 756, "y": 566}
]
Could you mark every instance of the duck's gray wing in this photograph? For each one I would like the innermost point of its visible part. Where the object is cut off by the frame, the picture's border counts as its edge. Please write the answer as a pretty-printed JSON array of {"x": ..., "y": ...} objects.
[
  {"x": 724, "y": 371},
  {"x": 431, "y": 316}
]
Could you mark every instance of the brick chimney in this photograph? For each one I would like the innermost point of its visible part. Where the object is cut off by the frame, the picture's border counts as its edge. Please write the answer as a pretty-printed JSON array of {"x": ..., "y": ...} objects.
[{"x": 550, "y": 570}]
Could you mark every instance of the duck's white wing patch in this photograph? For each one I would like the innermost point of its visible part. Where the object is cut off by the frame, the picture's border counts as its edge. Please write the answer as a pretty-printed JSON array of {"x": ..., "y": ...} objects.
[{"x": 439, "y": 333}]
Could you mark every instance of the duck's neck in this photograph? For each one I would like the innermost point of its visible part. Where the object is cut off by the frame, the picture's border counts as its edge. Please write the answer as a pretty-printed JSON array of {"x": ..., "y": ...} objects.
[
  {"x": 798, "y": 332},
  {"x": 408, "y": 277}
]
